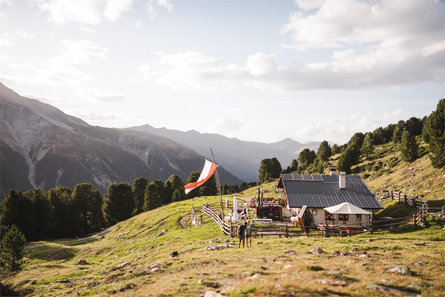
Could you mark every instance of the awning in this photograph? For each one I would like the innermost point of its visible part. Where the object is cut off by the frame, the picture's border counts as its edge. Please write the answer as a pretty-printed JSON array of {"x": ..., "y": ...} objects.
[{"x": 346, "y": 208}]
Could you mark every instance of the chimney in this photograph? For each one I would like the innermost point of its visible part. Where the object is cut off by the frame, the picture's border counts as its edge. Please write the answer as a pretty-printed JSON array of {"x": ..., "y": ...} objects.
[
  {"x": 342, "y": 180},
  {"x": 332, "y": 170}
]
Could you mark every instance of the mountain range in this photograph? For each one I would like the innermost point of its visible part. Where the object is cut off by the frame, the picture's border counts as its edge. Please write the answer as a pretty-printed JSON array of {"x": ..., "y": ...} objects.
[
  {"x": 242, "y": 158},
  {"x": 42, "y": 147}
]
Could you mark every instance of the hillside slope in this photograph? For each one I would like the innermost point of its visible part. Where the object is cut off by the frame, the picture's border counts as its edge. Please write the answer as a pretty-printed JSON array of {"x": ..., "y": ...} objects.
[
  {"x": 242, "y": 158},
  {"x": 42, "y": 147},
  {"x": 132, "y": 259},
  {"x": 385, "y": 171}
]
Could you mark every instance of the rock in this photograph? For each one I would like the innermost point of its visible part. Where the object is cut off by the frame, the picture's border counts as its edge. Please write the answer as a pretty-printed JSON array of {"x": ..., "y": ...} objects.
[
  {"x": 255, "y": 260},
  {"x": 287, "y": 266},
  {"x": 153, "y": 266},
  {"x": 386, "y": 289},
  {"x": 120, "y": 266},
  {"x": 82, "y": 262},
  {"x": 290, "y": 251},
  {"x": 174, "y": 254},
  {"x": 215, "y": 240},
  {"x": 363, "y": 256},
  {"x": 63, "y": 281},
  {"x": 255, "y": 276},
  {"x": 334, "y": 273},
  {"x": 33, "y": 282},
  {"x": 263, "y": 267},
  {"x": 403, "y": 270},
  {"x": 161, "y": 233},
  {"x": 419, "y": 264},
  {"x": 212, "y": 294},
  {"x": 216, "y": 247},
  {"x": 269, "y": 260},
  {"x": 369, "y": 239},
  {"x": 317, "y": 251},
  {"x": 333, "y": 282},
  {"x": 157, "y": 269}
]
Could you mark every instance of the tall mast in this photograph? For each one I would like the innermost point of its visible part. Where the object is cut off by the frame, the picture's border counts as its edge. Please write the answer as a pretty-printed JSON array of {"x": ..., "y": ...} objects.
[{"x": 219, "y": 187}]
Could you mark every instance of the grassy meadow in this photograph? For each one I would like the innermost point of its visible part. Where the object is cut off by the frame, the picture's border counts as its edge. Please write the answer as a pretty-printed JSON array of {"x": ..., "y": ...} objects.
[{"x": 132, "y": 259}]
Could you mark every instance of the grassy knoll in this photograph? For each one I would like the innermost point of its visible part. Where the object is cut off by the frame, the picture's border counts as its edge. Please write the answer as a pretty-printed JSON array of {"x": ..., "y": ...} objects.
[{"x": 122, "y": 261}]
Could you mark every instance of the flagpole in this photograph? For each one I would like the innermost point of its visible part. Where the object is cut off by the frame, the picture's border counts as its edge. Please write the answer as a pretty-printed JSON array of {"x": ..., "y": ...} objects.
[{"x": 219, "y": 187}]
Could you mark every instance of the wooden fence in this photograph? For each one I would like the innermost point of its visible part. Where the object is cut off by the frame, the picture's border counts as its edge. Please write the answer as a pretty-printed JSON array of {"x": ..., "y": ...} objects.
[
  {"x": 223, "y": 226},
  {"x": 401, "y": 197}
]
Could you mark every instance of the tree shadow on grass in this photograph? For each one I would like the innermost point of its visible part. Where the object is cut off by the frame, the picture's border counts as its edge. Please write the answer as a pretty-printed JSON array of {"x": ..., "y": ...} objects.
[{"x": 49, "y": 252}]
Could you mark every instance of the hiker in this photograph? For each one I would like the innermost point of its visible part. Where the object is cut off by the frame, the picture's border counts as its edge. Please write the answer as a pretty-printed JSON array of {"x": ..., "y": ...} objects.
[
  {"x": 242, "y": 234},
  {"x": 248, "y": 234}
]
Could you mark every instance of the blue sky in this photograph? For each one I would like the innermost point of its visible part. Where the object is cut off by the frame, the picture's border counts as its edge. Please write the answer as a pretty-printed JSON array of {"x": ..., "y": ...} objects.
[{"x": 257, "y": 70}]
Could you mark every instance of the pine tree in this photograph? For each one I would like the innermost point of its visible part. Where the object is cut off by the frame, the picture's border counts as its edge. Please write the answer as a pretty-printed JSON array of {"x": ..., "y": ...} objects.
[
  {"x": 64, "y": 218},
  {"x": 275, "y": 170},
  {"x": 81, "y": 198},
  {"x": 118, "y": 203},
  {"x": 94, "y": 216},
  {"x": 324, "y": 151},
  {"x": 209, "y": 187},
  {"x": 306, "y": 157},
  {"x": 367, "y": 146},
  {"x": 43, "y": 213},
  {"x": 345, "y": 161},
  {"x": 138, "y": 188},
  {"x": 409, "y": 147},
  {"x": 193, "y": 177},
  {"x": 177, "y": 195},
  {"x": 17, "y": 209},
  {"x": 177, "y": 184},
  {"x": 11, "y": 248},
  {"x": 434, "y": 135},
  {"x": 153, "y": 196}
]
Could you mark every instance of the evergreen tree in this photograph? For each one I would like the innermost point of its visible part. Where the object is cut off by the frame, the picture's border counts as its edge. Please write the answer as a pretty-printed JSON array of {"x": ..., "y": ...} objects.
[
  {"x": 414, "y": 126},
  {"x": 377, "y": 136},
  {"x": 345, "y": 161},
  {"x": 118, "y": 203},
  {"x": 193, "y": 176},
  {"x": 306, "y": 157},
  {"x": 94, "y": 216},
  {"x": 367, "y": 146},
  {"x": 434, "y": 135},
  {"x": 11, "y": 248},
  {"x": 324, "y": 151},
  {"x": 177, "y": 195},
  {"x": 64, "y": 218},
  {"x": 138, "y": 188},
  {"x": 81, "y": 198},
  {"x": 335, "y": 149},
  {"x": 17, "y": 209},
  {"x": 43, "y": 213},
  {"x": 209, "y": 187},
  {"x": 398, "y": 130},
  {"x": 275, "y": 170},
  {"x": 177, "y": 184},
  {"x": 153, "y": 196},
  {"x": 409, "y": 147},
  {"x": 265, "y": 169},
  {"x": 167, "y": 193}
]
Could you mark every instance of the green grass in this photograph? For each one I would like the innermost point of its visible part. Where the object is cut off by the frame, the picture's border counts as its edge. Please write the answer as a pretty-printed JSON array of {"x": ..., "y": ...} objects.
[{"x": 273, "y": 267}]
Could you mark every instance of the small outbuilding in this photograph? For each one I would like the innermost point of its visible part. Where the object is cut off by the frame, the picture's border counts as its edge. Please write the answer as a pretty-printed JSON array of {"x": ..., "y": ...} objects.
[{"x": 317, "y": 192}]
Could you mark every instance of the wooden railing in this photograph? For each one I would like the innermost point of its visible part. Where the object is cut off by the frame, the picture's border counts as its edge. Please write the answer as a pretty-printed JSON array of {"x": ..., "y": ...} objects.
[
  {"x": 411, "y": 200},
  {"x": 223, "y": 226}
]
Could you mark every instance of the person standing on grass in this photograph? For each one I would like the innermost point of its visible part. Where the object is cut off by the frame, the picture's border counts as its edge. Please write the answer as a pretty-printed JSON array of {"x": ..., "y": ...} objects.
[
  {"x": 248, "y": 234},
  {"x": 242, "y": 234}
]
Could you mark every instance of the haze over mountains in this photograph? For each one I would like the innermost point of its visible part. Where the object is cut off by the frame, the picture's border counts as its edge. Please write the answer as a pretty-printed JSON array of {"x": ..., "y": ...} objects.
[
  {"x": 40, "y": 146},
  {"x": 242, "y": 158}
]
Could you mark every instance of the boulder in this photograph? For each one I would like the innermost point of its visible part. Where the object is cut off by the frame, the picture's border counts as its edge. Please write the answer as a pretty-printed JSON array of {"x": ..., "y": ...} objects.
[
  {"x": 216, "y": 247},
  {"x": 162, "y": 232},
  {"x": 82, "y": 262},
  {"x": 403, "y": 270},
  {"x": 212, "y": 294},
  {"x": 317, "y": 251}
]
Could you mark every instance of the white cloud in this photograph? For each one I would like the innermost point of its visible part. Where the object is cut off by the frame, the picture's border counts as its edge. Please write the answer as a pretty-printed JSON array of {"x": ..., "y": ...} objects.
[
  {"x": 6, "y": 2},
  {"x": 69, "y": 68},
  {"x": 373, "y": 44},
  {"x": 166, "y": 4},
  {"x": 87, "y": 11},
  {"x": 309, "y": 4}
]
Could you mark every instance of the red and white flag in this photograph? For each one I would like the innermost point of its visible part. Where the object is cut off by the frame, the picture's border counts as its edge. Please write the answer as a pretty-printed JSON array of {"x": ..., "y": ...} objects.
[{"x": 206, "y": 173}]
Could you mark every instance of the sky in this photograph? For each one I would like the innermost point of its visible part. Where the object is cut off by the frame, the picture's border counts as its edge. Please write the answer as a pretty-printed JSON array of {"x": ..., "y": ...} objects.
[{"x": 257, "y": 70}]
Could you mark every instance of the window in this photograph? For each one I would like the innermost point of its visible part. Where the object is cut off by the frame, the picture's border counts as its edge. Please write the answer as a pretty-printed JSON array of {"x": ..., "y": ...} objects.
[
  {"x": 328, "y": 216},
  {"x": 359, "y": 217},
  {"x": 343, "y": 217},
  {"x": 314, "y": 212}
]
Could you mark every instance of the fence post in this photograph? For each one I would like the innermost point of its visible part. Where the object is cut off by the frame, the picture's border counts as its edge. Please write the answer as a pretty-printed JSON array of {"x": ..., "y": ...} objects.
[
  {"x": 400, "y": 194},
  {"x": 415, "y": 219},
  {"x": 404, "y": 198},
  {"x": 392, "y": 195},
  {"x": 287, "y": 231}
]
